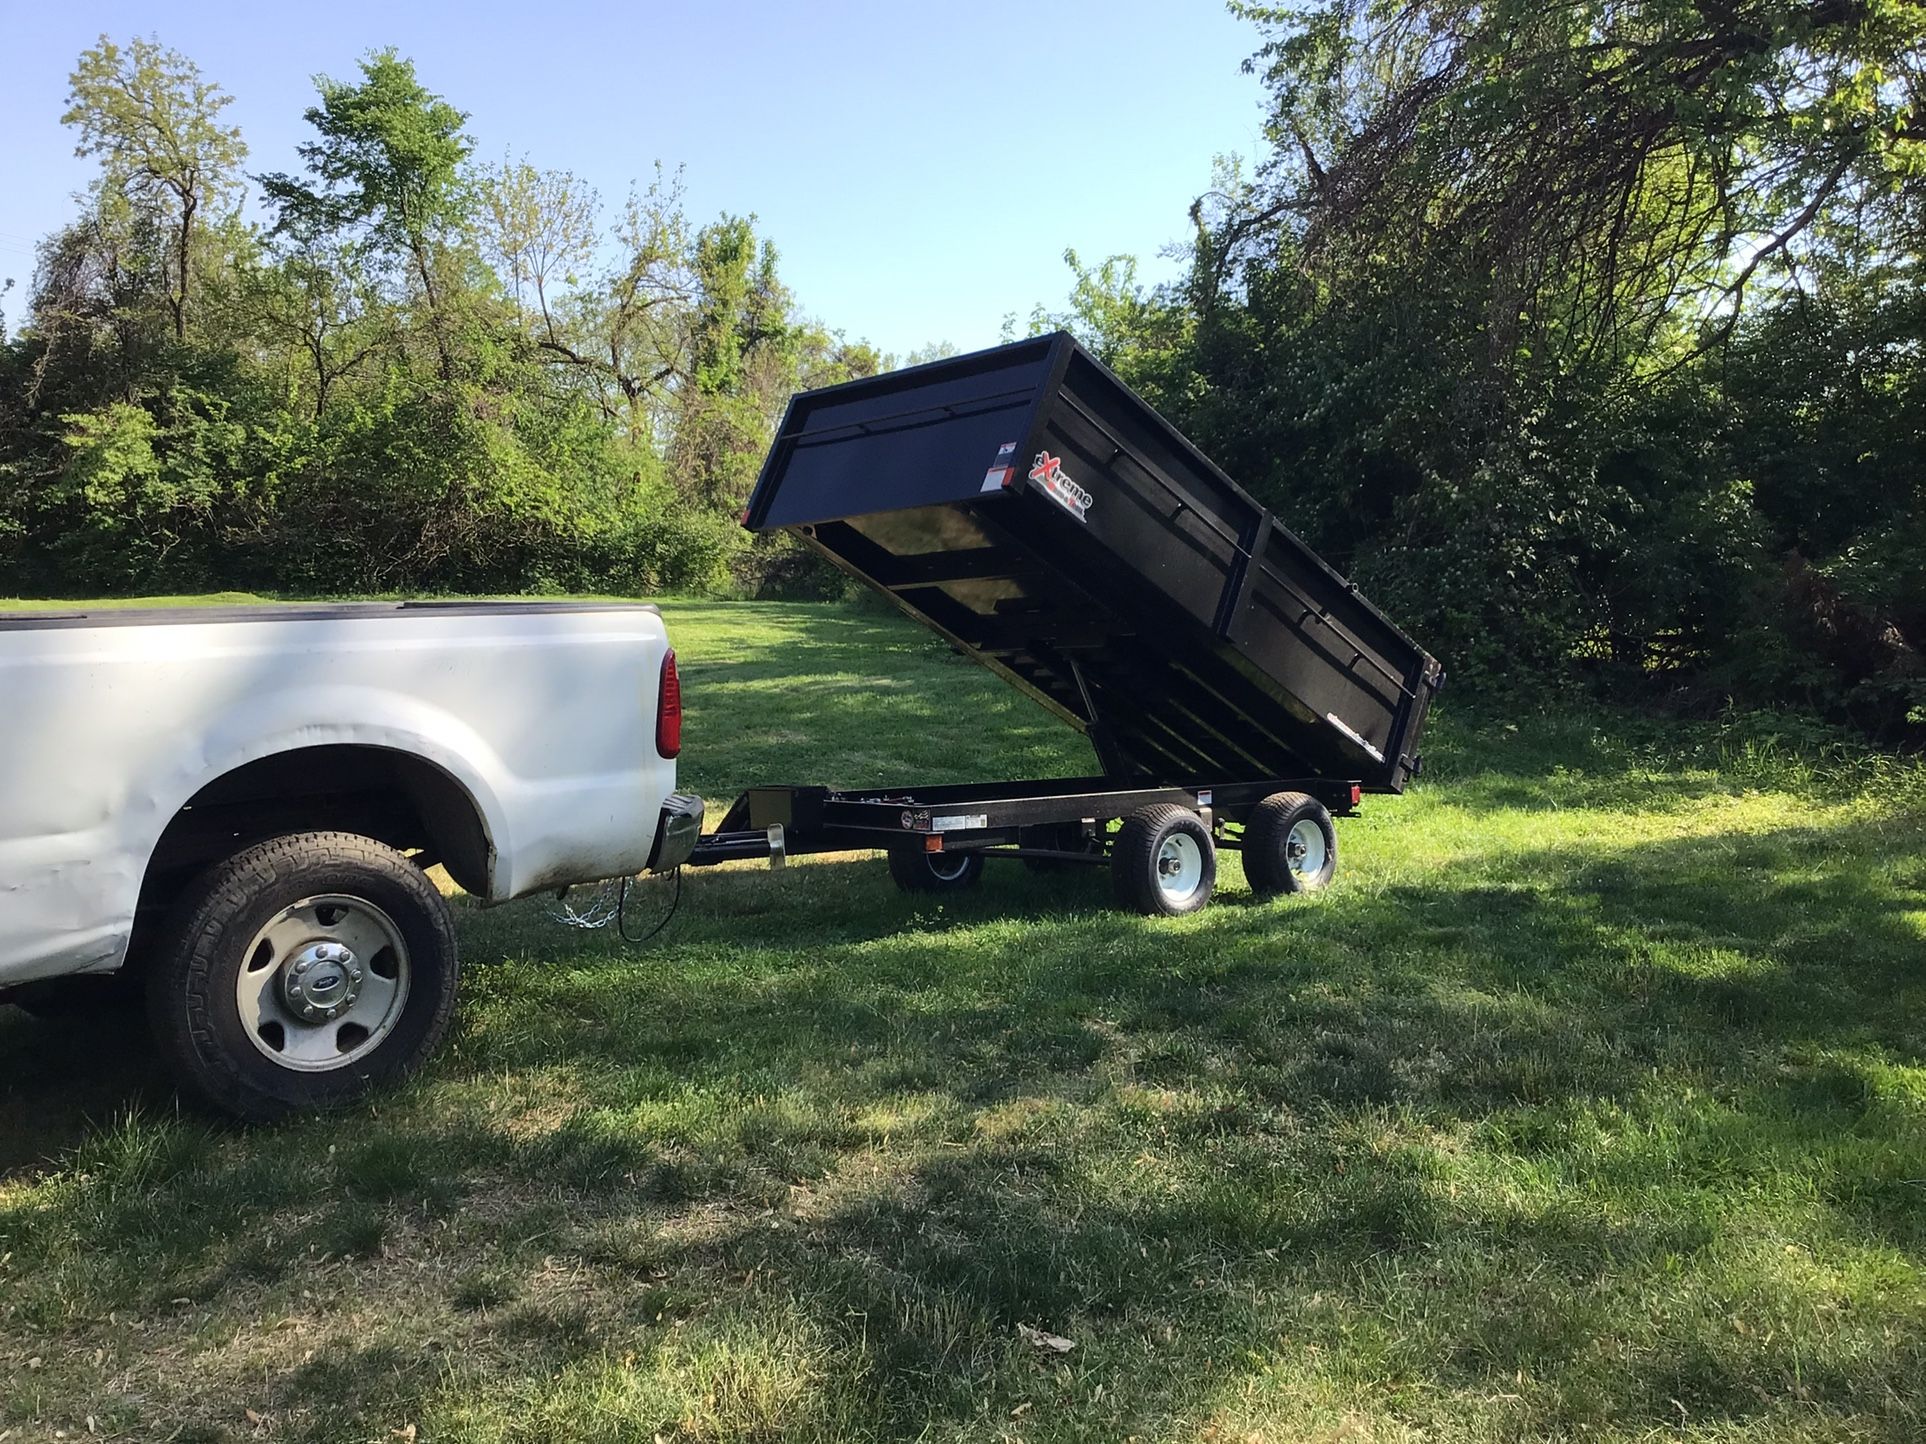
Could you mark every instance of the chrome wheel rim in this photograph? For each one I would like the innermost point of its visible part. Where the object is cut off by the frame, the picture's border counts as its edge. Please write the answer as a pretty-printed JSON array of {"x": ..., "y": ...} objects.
[
  {"x": 1180, "y": 867},
  {"x": 323, "y": 983},
  {"x": 1305, "y": 850}
]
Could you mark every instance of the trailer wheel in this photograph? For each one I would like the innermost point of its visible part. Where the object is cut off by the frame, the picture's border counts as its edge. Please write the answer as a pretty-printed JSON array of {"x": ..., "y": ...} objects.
[
  {"x": 1164, "y": 861},
  {"x": 301, "y": 973},
  {"x": 914, "y": 870},
  {"x": 1289, "y": 845}
]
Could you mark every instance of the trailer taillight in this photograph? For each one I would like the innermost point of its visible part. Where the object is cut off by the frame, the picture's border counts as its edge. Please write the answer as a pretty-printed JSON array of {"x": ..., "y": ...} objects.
[
  {"x": 1357, "y": 794},
  {"x": 668, "y": 709}
]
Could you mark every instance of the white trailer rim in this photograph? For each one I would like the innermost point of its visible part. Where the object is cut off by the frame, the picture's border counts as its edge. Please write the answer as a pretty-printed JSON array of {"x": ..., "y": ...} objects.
[
  {"x": 948, "y": 866},
  {"x": 1305, "y": 850},
  {"x": 1180, "y": 867}
]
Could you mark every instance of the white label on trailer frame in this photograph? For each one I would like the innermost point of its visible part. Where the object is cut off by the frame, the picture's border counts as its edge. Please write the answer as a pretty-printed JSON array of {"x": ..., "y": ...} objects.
[{"x": 959, "y": 823}]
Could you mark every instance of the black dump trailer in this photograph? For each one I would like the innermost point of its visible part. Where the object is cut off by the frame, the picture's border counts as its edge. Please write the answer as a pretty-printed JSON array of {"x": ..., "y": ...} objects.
[{"x": 1029, "y": 507}]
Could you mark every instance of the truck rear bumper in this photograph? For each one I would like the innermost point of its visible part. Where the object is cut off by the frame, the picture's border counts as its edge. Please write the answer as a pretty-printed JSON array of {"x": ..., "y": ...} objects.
[{"x": 677, "y": 831}]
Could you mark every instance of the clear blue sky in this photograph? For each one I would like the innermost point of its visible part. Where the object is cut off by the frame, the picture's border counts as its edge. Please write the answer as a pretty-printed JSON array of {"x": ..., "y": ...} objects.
[{"x": 920, "y": 167}]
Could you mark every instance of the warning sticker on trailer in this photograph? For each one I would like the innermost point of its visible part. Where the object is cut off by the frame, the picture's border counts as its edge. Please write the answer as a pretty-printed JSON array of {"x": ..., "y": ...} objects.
[
  {"x": 1004, "y": 472},
  {"x": 960, "y": 823},
  {"x": 1047, "y": 472}
]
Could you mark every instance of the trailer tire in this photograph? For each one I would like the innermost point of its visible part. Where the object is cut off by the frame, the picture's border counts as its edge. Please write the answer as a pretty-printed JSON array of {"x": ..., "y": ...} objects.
[
  {"x": 1289, "y": 845},
  {"x": 914, "y": 870},
  {"x": 1164, "y": 863},
  {"x": 301, "y": 973}
]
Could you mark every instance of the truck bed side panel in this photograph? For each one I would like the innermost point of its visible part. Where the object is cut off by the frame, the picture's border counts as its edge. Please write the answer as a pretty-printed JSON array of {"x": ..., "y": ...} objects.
[{"x": 545, "y": 722}]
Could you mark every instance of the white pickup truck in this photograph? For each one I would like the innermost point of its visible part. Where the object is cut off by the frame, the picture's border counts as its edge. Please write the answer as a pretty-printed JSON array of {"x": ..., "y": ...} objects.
[{"x": 235, "y": 809}]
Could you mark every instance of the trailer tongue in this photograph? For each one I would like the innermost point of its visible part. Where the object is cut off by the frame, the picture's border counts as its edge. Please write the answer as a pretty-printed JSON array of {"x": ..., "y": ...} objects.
[{"x": 1029, "y": 507}]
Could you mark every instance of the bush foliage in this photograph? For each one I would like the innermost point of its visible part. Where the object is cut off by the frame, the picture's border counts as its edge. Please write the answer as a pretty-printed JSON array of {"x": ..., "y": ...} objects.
[
  {"x": 1588, "y": 339},
  {"x": 420, "y": 373}
]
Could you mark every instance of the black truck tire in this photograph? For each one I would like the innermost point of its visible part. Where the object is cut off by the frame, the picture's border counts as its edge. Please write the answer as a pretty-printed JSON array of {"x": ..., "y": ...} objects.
[
  {"x": 914, "y": 870},
  {"x": 1164, "y": 862},
  {"x": 301, "y": 973},
  {"x": 1289, "y": 845}
]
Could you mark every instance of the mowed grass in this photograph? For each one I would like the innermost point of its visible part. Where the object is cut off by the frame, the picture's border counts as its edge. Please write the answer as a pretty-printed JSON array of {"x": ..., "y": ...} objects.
[{"x": 1589, "y": 1104}]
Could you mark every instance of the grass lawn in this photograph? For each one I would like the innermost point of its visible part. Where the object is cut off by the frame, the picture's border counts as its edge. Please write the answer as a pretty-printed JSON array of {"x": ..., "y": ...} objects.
[{"x": 1588, "y": 1104}]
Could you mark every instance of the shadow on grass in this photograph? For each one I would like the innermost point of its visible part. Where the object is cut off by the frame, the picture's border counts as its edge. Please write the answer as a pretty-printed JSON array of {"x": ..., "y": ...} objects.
[
  {"x": 1790, "y": 937},
  {"x": 1555, "y": 1121},
  {"x": 1548, "y": 976},
  {"x": 1666, "y": 1033},
  {"x": 62, "y": 1080}
]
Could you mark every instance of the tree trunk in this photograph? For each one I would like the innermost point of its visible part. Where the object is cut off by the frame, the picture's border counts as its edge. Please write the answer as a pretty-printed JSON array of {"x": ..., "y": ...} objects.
[
  {"x": 189, "y": 205},
  {"x": 419, "y": 246}
]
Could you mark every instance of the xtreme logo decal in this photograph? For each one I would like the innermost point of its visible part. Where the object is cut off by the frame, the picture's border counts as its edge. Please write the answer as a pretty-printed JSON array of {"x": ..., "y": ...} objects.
[{"x": 1047, "y": 472}]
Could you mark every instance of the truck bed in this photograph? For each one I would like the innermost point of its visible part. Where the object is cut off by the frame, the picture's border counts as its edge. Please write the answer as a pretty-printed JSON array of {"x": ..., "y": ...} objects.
[{"x": 1029, "y": 507}]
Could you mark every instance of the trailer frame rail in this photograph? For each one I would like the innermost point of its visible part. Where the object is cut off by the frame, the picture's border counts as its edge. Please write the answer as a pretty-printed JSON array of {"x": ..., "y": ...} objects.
[{"x": 775, "y": 823}]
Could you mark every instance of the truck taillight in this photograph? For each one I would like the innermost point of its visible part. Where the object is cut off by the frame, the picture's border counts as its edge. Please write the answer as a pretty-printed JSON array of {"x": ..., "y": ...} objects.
[{"x": 668, "y": 709}]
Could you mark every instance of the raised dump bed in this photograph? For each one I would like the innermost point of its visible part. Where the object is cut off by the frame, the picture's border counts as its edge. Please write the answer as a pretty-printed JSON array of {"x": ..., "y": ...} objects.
[{"x": 1029, "y": 506}]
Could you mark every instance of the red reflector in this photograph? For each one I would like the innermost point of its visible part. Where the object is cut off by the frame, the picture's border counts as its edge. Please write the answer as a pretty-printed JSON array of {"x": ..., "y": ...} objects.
[
  {"x": 668, "y": 709},
  {"x": 1357, "y": 794},
  {"x": 933, "y": 843},
  {"x": 744, "y": 518}
]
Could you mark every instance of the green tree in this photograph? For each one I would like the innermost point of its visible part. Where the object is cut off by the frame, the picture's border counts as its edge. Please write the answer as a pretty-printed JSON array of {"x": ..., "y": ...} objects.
[
  {"x": 387, "y": 164},
  {"x": 621, "y": 335},
  {"x": 1601, "y": 164},
  {"x": 316, "y": 306},
  {"x": 154, "y": 123},
  {"x": 742, "y": 359},
  {"x": 422, "y": 377},
  {"x": 539, "y": 227},
  {"x": 1466, "y": 322}
]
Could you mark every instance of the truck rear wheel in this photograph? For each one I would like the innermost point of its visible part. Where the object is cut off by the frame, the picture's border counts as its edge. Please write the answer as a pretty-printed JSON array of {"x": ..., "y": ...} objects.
[
  {"x": 1164, "y": 861},
  {"x": 1289, "y": 845},
  {"x": 303, "y": 972},
  {"x": 914, "y": 870}
]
